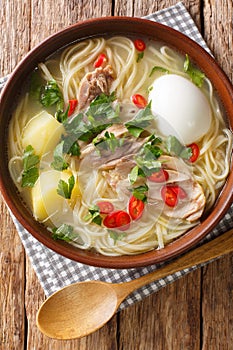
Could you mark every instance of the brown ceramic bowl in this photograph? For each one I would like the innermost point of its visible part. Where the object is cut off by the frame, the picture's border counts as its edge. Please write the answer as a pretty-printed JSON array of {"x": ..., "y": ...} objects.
[{"x": 97, "y": 27}]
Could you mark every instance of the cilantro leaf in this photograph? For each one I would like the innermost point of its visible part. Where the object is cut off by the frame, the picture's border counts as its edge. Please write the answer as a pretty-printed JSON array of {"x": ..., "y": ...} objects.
[
  {"x": 51, "y": 95},
  {"x": 147, "y": 158},
  {"x": 59, "y": 162},
  {"x": 64, "y": 232},
  {"x": 135, "y": 173},
  {"x": 30, "y": 171},
  {"x": 101, "y": 112},
  {"x": 195, "y": 74},
  {"x": 65, "y": 189},
  {"x": 116, "y": 236},
  {"x": 100, "y": 115},
  {"x": 142, "y": 120},
  {"x": 108, "y": 142},
  {"x": 140, "y": 192},
  {"x": 94, "y": 215},
  {"x": 140, "y": 56},
  {"x": 175, "y": 147},
  {"x": 62, "y": 116},
  {"x": 158, "y": 69},
  {"x": 29, "y": 177}
]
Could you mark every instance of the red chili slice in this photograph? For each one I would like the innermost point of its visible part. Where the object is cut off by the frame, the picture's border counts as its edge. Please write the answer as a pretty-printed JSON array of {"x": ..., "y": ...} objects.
[
  {"x": 72, "y": 106},
  {"x": 123, "y": 220},
  {"x": 110, "y": 220},
  {"x": 180, "y": 192},
  {"x": 139, "y": 101},
  {"x": 102, "y": 58},
  {"x": 159, "y": 176},
  {"x": 139, "y": 45},
  {"x": 195, "y": 152},
  {"x": 117, "y": 219},
  {"x": 169, "y": 196},
  {"x": 105, "y": 207},
  {"x": 136, "y": 207}
]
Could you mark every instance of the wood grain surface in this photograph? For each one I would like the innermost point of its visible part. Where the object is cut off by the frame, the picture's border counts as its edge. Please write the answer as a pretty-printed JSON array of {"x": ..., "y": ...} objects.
[{"x": 196, "y": 312}]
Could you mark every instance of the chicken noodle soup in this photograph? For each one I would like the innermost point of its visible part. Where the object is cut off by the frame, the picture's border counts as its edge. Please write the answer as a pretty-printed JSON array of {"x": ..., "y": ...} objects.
[{"x": 107, "y": 149}]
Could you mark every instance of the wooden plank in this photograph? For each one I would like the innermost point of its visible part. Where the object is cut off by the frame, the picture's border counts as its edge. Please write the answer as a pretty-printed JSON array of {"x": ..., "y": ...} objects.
[
  {"x": 13, "y": 46},
  {"x": 168, "y": 319},
  {"x": 219, "y": 32},
  {"x": 41, "y": 26},
  {"x": 15, "y": 33},
  {"x": 217, "y": 305},
  {"x": 217, "y": 295},
  {"x": 104, "y": 339},
  {"x": 12, "y": 278}
]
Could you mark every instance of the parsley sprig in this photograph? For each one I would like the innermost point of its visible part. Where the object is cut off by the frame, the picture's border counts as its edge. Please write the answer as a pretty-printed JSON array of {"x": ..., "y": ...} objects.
[
  {"x": 141, "y": 121},
  {"x": 195, "y": 74},
  {"x": 147, "y": 158},
  {"x": 51, "y": 95},
  {"x": 30, "y": 170},
  {"x": 158, "y": 69},
  {"x": 94, "y": 215},
  {"x": 64, "y": 232},
  {"x": 140, "y": 192},
  {"x": 65, "y": 188},
  {"x": 59, "y": 162},
  {"x": 116, "y": 236},
  {"x": 175, "y": 148},
  {"x": 100, "y": 115},
  {"x": 108, "y": 142}
]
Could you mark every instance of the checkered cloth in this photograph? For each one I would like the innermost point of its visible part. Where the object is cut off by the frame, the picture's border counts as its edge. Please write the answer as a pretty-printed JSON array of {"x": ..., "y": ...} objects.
[{"x": 55, "y": 271}]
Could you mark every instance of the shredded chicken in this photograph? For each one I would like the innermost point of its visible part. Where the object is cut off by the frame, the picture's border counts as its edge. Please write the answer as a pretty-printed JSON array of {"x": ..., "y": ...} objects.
[{"x": 93, "y": 84}]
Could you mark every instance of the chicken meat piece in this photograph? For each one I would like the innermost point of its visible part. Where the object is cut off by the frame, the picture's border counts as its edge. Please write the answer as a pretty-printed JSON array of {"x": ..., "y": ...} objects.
[{"x": 94, "y": 84}]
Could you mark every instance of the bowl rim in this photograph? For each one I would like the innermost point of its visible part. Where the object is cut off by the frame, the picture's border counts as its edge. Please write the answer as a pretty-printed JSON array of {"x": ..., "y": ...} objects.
[{"x": 196, "y": 52}]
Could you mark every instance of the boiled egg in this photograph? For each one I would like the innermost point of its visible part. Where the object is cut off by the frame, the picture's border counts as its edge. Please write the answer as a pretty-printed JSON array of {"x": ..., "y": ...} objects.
[{"x": 180, "y": 107}]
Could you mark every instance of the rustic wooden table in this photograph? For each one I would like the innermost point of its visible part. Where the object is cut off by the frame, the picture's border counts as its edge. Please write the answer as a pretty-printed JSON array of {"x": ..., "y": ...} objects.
[{"x": 196, "y": 312}]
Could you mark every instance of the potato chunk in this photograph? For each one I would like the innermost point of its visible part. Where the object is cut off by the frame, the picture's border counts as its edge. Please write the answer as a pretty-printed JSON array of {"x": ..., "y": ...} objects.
[
  {"x": 46, "y": 202},
  {"x": 43, "y": 133}
]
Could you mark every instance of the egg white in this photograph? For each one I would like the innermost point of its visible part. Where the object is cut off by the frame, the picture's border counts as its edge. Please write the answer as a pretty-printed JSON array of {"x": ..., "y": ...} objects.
[{"x": 181, "y": 108}]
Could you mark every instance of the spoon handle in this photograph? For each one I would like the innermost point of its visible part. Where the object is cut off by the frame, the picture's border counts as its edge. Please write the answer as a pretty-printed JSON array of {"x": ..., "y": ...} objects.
[{"x": 219, "y": 246}]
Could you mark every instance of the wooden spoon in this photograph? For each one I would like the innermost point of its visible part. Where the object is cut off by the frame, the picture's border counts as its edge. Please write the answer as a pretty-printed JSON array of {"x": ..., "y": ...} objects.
[{"x": 81, "y": 308}]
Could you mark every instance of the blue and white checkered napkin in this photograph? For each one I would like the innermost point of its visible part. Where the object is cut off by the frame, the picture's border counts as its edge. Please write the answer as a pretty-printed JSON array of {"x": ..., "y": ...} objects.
[{"x": 55, "y": 271}]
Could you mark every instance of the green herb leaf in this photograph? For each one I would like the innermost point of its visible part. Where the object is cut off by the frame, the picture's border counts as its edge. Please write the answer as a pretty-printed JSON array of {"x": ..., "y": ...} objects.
[
  {"x": 51, "y": 95},
  {"x": 140, "y": 56},
  {"x": 142, "y": 120},
  {"x": 59, "y": 162},
  {"x": 108, "y": 142},
  {"x": 29, "y": 177},
  {"x": 116, "y": 236},
  {"x": 147, "y": 158},
  {"x": 140, "y": 192},
  {"x": 101, "y": 111},
  {"x": 64, "y": 232},
  {"x": 175, "y": 147},
  {"x": 158, "y": 69},
  {"x": 94, "y": 215},
  {"x": 135, "y": 173},
  {"x": 98, "y": 117},
  {"x": 62, "y": 116},
  {"x": 30, "y": 171},
  {"x": 195, "y": 74},
  {"x": 65, "y": 189}
]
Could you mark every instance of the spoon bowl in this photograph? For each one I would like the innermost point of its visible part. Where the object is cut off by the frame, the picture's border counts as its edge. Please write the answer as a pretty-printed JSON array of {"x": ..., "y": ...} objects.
[
  {"x": 79, "y": 309},
  {"x": 82, "y": 308}
]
